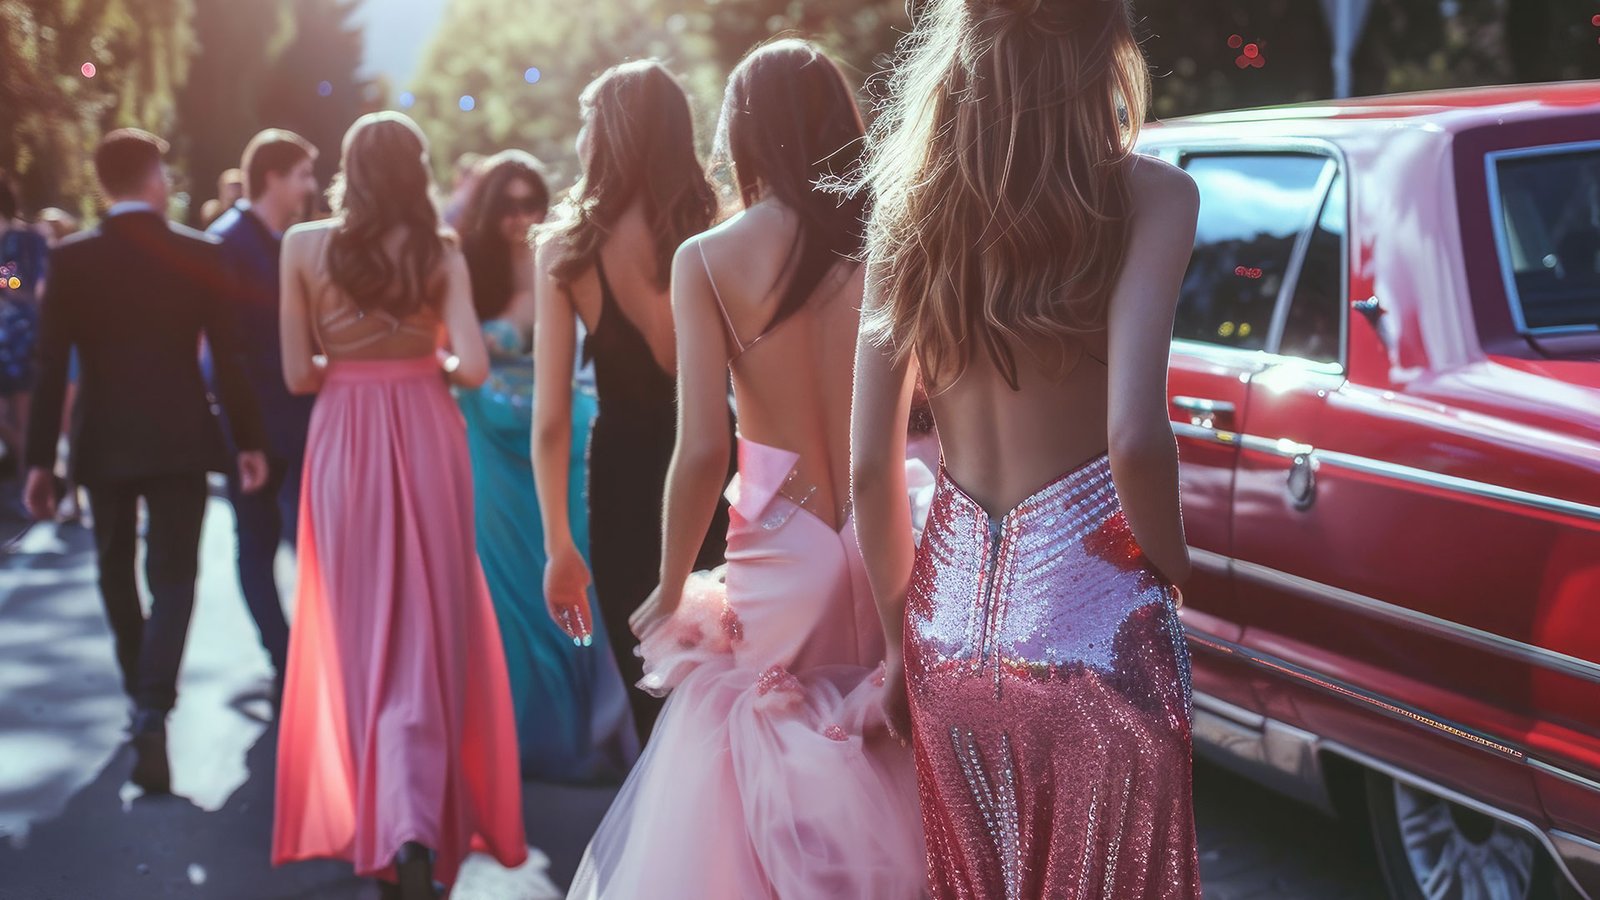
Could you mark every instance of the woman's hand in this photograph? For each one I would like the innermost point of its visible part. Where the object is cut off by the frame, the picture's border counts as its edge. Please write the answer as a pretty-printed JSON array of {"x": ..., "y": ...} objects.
[
  {"x": 656, "y": 608},
  {"x": 566, "y": 595}
]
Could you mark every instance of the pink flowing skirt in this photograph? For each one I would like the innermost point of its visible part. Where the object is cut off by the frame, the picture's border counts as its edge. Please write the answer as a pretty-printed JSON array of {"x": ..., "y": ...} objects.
[
  {"x": 397, "y": 723},
  {"x": 769, "y": 776}
]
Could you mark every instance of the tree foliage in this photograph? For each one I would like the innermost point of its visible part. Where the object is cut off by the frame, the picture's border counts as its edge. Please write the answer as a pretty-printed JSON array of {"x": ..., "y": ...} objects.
[
  {"x": 54, "y": 113},
  {"x": 287, "y": 64}
]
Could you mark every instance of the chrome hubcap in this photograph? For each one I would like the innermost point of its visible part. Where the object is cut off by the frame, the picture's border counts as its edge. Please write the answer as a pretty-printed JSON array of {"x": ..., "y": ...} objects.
[{"x": 1458, "y": 854}]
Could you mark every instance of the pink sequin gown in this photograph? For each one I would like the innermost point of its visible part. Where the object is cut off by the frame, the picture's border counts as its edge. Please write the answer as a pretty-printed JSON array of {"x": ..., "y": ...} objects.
[
  {"x": 1050, "y": 696},
  {"x": 761, "y": 779},
  {"x": 397, "y": 723}
]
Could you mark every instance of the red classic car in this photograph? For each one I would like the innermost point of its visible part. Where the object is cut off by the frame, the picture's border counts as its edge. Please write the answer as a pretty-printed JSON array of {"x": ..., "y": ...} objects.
[{"x": 1386, "y": 389}]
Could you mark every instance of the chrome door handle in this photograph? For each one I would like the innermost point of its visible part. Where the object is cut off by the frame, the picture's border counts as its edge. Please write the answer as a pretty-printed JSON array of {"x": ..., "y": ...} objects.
[
  {"x": 1203, "y": 412},
  {"x": 1202, "y": 405}
]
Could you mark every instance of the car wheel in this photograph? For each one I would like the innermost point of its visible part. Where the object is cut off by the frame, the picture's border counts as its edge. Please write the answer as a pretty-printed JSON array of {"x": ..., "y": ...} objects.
[{"x": 1432, "y": 849}]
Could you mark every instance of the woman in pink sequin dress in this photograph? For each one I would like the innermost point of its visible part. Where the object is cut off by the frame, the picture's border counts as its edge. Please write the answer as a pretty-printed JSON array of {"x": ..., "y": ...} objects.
[
  {"x": 769, "y": 774},
  {"x": 1025, "y": 262}
]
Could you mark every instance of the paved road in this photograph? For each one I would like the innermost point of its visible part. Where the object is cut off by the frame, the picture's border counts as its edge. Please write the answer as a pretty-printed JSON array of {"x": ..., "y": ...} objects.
[{"x": 71, "y": 828}]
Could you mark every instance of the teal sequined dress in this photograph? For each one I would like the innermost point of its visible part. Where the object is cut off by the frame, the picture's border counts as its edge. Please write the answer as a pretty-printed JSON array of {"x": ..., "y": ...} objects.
[{"x": 573, "y": 720}]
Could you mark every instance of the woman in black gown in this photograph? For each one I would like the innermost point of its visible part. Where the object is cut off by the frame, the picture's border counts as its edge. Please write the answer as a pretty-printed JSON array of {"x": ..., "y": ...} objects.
[{"x": 606, "y": 260}]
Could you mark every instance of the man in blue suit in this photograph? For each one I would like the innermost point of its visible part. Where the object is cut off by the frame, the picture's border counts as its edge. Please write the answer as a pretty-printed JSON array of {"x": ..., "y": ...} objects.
[{"x": 279, "y": 181}]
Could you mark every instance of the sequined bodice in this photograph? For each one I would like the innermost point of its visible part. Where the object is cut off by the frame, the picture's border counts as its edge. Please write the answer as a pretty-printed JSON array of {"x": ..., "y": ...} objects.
[{"x": 1013, "y": 569}]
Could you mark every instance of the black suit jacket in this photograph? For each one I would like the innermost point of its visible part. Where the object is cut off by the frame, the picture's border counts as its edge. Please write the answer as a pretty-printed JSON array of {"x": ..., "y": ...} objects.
[{"x": 134, "y": 296}]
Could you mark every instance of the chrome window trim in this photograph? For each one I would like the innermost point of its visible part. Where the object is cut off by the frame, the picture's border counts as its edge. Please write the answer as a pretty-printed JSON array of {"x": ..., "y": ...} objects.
[
  {"x": 1454, "y": 632},
  {"x": 1178, "y": 153},
  {"x": 1254, "y": 360},
  {"x": 1297, "y": 265},
  {"x": 1501, "y": 239}
]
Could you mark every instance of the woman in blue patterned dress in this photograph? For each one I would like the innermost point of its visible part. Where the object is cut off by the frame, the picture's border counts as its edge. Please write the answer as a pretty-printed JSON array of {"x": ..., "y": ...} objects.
[{"x": 573, "y": 722}]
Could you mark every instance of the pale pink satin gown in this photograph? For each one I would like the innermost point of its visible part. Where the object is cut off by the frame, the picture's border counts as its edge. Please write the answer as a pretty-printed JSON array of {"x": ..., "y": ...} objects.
[
  {"x": 397, "y": 722},
  {"x": 761, "y": 779}
]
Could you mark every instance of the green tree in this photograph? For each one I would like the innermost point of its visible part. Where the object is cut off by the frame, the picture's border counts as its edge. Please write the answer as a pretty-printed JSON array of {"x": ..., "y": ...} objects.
[
  {"x": 219, "y": 108},
  {"x": 54, "y": 112},
  {"x": 315, "y": 86}
]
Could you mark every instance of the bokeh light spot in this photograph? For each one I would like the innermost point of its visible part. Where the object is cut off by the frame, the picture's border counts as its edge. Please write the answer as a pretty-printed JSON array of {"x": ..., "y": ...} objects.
[
  {"x": 467, "y": 103},
  {"x": 533, "y": 75},
  {"x": 325, "y": 89},
  {"x": 407, "y": 99},
  {"x": 1235, "y": 41},
  {"x": 15, "y": 283},
  {"x": 1252, "y": 51},
  {"x": 88, "y": 70}
]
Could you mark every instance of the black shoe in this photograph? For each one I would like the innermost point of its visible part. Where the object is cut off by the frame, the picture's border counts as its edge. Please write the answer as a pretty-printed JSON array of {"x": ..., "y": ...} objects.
[
  {"x": 414, "y": 867},
  {"x": 151, "y": 770}
]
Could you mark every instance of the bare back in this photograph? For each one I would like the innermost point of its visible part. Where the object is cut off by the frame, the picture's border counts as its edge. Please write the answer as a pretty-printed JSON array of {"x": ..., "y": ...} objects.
[
  {"x": 1001, "y": 445},
  {"x": 345, "y": 331},
  {"x": 792, "y": 381},
  {"x": 628, "y": 259}
]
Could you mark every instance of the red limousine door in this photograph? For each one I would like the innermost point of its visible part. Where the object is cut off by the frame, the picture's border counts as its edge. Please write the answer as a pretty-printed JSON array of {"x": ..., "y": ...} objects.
[{"x": 1253, "y": 210}]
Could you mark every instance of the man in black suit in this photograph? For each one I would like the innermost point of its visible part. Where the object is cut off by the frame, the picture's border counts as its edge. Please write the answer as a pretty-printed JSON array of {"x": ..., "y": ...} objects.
[{"x": 134, "y": 296}]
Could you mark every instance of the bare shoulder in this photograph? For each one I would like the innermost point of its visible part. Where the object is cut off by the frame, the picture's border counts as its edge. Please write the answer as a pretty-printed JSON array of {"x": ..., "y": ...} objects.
[
  {"x": 1161, "y": 189},
  {"x": 305, "y": 235},
  {"x": 548, "y": 247}
]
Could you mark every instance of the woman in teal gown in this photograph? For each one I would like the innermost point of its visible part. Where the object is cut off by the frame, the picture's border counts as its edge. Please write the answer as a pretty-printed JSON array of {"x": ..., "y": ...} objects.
[{"x": 573, "y": 721}]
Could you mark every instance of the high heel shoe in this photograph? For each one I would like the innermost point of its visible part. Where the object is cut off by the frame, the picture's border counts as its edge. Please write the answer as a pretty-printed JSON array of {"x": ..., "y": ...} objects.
[{"x": 413, "y": 867}]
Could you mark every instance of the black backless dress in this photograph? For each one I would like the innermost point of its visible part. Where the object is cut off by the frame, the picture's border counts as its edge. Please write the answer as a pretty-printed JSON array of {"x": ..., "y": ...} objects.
[{"x": 630, "y": 448}]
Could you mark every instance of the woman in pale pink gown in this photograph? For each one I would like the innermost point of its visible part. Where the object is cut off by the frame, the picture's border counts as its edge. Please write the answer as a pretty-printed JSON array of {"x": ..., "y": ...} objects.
[
  {"x": 769, "y": 774},
  {"x": 397, "y": 747}
]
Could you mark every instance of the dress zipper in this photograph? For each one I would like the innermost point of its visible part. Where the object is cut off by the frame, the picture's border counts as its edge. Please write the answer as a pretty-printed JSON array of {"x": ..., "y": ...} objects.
[{"x": 991, "y": 567}]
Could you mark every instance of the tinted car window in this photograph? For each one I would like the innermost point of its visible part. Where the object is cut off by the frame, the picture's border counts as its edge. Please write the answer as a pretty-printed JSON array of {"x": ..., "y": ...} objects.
[
  {"x": 1549, "y": 207},
  {"x": 1253, "y": 207},
  {"x": 1312, "y": 328}
]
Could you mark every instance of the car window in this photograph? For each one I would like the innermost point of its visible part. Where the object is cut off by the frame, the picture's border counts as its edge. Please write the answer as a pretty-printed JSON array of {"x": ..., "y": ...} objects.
[
  {"x": 1549, "y": 208},
  {"x": 1312, "y": 328},
  {"x": 1253, "y": 208}
]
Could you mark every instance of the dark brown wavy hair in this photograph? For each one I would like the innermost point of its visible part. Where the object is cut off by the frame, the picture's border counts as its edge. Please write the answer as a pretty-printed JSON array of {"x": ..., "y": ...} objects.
[
  {"x": 488, "y": 255},
  {"x": 641, "y": 147},
  {"x": 999, "y": 174},
  {"x": 790, "y": 126},
  {"x": 384, "y": 184}
]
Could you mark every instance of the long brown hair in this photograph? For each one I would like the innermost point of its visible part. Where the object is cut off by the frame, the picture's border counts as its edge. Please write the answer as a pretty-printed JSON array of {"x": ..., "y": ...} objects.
[
  {"x": 999, "y": 172},
  {"x": 790, "y": 124},
  {"x": 383, "y": 184},
  {"x": 488, "y": 255},
  {"x": 640, "y": 147}
]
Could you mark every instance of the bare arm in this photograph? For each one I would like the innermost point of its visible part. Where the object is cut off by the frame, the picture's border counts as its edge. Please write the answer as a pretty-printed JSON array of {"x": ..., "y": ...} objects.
[
  {"x": 555, "y": 346},
  {"x": 461, "y": 323},
  {"x": 700, "y": 457},
  {"x": 878, "y": 415},
  {"x": 1144, "y": 455},
  {"x": 300, "y": 372}
]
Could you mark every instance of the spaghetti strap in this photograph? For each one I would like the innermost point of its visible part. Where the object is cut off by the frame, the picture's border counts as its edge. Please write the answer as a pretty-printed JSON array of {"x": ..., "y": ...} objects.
[{"x": 721, "y": 307}]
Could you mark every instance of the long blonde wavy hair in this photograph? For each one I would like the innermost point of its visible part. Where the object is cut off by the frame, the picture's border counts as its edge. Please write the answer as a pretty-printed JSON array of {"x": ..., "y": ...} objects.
[{"x": 998, "y": 171}]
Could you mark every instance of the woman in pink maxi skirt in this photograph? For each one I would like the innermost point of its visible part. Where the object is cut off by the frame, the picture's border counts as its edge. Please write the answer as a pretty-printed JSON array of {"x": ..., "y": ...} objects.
[{"x": 397, "y": 748}]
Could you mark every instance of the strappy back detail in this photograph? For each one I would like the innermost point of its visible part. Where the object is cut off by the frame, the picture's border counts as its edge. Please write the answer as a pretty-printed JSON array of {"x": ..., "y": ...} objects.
[
  {"x": 344, "y": 328},
  {"x": 727, "y": 320},
  {"x": 330, "y": 323}
]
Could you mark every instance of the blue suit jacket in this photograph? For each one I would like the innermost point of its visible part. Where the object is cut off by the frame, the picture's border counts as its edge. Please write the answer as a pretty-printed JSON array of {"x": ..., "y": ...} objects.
[{"x": 250, "y": 250}]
